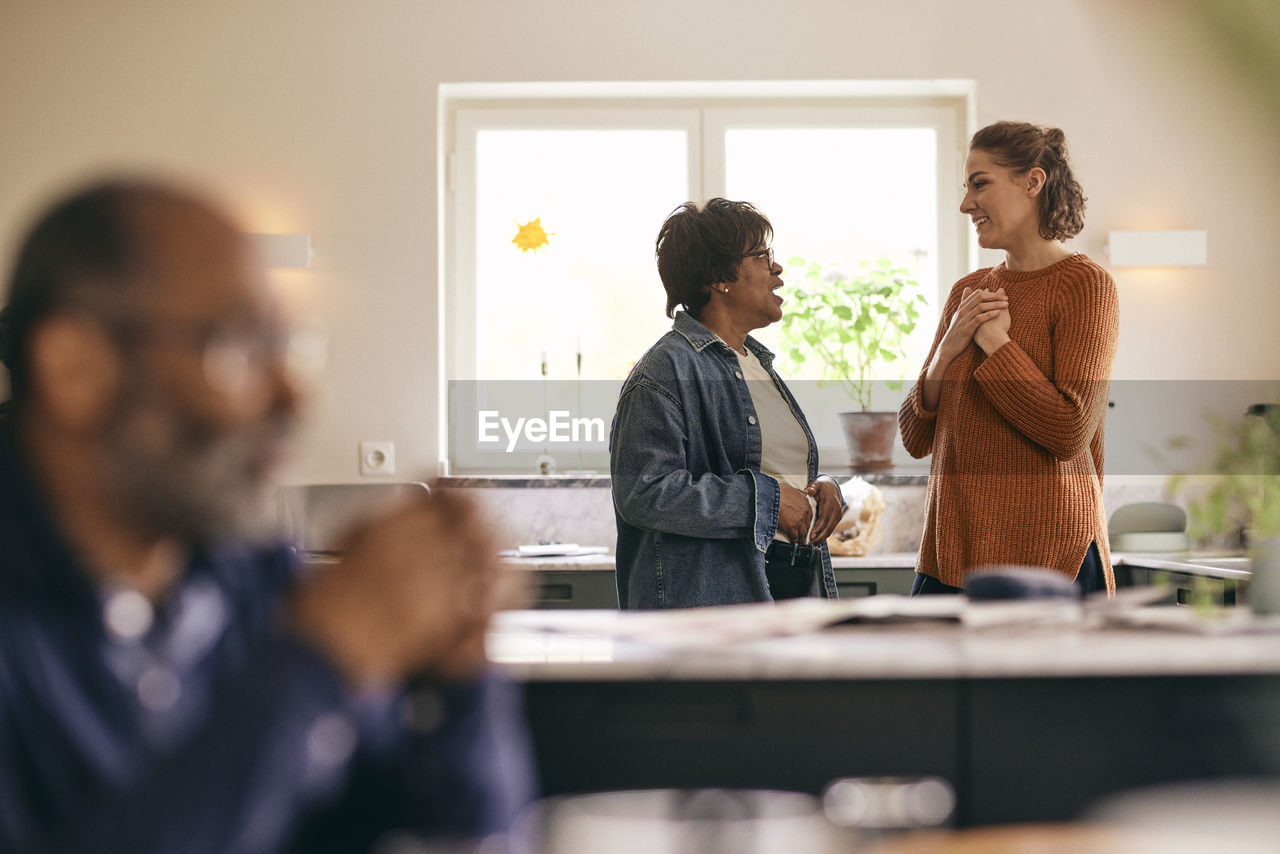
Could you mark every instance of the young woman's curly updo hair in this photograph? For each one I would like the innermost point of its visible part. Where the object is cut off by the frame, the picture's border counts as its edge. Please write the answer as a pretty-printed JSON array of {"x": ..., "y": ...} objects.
[
  {"x": 1021, "y": 147},
  {"x": 701, "y": 247}
]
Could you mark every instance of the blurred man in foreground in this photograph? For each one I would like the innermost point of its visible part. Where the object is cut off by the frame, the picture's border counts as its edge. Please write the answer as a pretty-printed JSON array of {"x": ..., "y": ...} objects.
[{"x": 167, "y": 681}]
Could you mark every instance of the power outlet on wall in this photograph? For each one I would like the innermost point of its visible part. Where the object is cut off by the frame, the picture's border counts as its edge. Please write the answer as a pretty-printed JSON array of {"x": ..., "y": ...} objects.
[{"x": 377, "y": 458}]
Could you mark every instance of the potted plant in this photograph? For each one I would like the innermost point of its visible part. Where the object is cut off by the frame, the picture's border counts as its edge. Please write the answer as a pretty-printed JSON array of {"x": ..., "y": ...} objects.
[
  {"x": 1241, "y": 499},
  {"x": 850, "y": 322}
]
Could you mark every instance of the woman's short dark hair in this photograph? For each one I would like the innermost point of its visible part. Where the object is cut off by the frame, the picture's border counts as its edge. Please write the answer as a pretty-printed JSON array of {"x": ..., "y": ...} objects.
[
  {"x": 1021, "y": 147},
  {"x": 699, "y": 247}
]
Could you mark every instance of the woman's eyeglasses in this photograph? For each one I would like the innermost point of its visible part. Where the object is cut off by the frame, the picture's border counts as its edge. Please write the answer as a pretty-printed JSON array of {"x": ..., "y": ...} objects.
[{"x": 766, "y": 254}]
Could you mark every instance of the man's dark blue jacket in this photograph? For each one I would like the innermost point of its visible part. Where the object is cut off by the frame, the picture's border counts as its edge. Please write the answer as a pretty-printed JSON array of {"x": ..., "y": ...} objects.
[{"x": 204, "y": 726}]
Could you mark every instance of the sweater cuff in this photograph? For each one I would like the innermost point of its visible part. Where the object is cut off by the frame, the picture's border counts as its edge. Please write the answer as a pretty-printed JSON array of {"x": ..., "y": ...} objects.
[
  {"x": 917, "y": 403},
  {"x": 1002, "y": 371}
]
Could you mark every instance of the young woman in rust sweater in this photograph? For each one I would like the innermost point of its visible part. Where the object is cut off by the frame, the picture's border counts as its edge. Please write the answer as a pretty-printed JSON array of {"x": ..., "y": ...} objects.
[{"x": 1012, "y": 397}]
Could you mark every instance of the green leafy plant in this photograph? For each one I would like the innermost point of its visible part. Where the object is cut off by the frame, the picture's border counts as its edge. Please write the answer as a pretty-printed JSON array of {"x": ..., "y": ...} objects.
[
  {"x": 1243, "y": 494},
  {"x": 850, "y": 322}
]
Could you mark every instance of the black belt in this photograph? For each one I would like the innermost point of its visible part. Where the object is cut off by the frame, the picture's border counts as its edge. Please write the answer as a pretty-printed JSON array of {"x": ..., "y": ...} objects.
[{"x": 792, "y": 554}]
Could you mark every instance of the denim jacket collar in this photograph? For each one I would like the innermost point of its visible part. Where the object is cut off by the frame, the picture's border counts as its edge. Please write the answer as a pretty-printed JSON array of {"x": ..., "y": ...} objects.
[{"x": 700, "y": 337}]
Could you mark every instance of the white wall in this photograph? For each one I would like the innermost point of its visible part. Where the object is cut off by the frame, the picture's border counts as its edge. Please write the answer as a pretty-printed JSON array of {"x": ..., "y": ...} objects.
[{"x": 321, "y": 117}]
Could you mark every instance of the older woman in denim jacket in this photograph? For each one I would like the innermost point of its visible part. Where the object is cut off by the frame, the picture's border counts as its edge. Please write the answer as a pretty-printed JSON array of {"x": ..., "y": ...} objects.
[{"x": 715, "y": 472}]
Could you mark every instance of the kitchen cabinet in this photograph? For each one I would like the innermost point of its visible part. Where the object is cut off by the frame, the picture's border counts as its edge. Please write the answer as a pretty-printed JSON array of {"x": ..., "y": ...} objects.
[
  {"x": 872, "y": 580},
  {"x": 559, "y": 582},
  {"x": 588, "y": 582},
  {"x": 574, "y": 588},
  {"x": 1184, "y": 588},
  {"x": 1190, "y": 578}
]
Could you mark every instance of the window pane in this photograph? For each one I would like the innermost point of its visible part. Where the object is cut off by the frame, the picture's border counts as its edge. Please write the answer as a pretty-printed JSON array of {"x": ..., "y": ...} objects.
[
  {"x": 843, "y": 195},
  {"x": 601, "y": 196}
]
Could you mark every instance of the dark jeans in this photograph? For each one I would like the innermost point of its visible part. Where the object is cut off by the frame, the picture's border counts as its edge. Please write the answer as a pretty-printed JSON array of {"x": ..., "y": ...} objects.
[
  {"x": 927, "y": 585},
  {"x": 1090, "y": 579},
  {"x": 790, "y": 570}
]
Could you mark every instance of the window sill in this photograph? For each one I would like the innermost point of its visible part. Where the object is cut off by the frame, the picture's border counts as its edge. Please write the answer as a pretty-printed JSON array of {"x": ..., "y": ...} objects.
[
  {"x": 524, "y": 481},
  {"x": 893, "y": 476}
]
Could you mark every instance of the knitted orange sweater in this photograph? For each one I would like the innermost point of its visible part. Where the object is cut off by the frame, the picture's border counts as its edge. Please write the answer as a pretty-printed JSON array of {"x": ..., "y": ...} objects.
[{"x": 1016, "y": 476}]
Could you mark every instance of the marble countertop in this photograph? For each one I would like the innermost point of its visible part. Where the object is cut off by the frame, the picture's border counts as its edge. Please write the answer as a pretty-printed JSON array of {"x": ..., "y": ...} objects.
[
  {"x": 753, "y": 642},
  {"x": 900, "y": 475},
  {"x": 595, "y": 562},
  {"x": 1216, "y": 565}
]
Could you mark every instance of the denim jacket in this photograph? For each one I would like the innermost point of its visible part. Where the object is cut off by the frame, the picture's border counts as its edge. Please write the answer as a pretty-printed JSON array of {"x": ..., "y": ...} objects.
[{"x": 694, "y": 513}]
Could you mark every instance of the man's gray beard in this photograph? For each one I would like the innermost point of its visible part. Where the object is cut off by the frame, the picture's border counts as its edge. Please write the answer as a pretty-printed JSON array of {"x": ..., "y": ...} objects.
[{"x": 184, "y": 479}]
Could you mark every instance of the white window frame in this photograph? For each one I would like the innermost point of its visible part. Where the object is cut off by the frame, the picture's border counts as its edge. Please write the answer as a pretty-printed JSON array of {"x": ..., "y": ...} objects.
[
  {"x": 704, "y": 111},
  {"x": 459, "y": 359}
]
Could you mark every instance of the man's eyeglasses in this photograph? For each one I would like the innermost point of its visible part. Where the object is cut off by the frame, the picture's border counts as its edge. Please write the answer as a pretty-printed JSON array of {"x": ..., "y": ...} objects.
[
  {"x": 766, "y": 254},
  {"x": 236, "y": 358},
  {"x": 239, "y": 360}
]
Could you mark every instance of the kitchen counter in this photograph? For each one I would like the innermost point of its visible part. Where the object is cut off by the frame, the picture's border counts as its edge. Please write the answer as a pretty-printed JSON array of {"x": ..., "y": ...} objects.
[
  {"x": 1207, "y": 565},
  {"x": 1030, "y": 723},
  {"x": 753, "y": 642}
]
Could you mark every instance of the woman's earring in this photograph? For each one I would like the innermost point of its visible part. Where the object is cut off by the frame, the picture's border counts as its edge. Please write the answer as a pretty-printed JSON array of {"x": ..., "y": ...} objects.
[{"x": 726, "y": 290}]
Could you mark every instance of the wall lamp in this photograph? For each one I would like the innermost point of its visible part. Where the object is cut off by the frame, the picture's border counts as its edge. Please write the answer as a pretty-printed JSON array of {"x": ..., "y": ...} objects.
[
  {"x": 284, "y": 251},
  {"x": 1159, "y": 248}
]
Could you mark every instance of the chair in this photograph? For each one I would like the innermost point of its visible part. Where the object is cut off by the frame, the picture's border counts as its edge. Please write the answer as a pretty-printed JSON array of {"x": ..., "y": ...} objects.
[{"x": 1148, "y": 526}]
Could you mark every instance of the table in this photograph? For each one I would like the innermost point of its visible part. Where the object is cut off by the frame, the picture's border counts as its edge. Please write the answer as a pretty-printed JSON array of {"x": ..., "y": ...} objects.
[
  {"x": 1030, "y": 724},
  {"x": 1046, "y": 839}
]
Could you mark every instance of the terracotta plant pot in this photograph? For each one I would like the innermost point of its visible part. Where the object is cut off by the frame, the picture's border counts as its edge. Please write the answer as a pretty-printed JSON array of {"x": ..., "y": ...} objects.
[{"x": 870, "y": 437}]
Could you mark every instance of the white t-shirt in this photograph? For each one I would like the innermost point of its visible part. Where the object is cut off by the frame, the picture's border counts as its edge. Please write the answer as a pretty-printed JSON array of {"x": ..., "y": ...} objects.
[{"x": 784, "y": 452}]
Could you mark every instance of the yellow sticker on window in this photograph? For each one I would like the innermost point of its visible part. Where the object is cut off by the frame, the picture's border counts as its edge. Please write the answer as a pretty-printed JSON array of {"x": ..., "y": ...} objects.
[{"x": 530, "y": 235}]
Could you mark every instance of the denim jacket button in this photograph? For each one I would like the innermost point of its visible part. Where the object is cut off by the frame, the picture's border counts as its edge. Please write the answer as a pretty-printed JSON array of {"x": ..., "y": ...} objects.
[
  {"x": 751, "y": 419},
  {"x": 738, "y": 374}
]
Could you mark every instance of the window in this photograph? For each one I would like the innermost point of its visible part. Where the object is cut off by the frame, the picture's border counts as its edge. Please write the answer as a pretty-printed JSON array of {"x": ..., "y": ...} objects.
[{"x": 552, "y": 206}]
